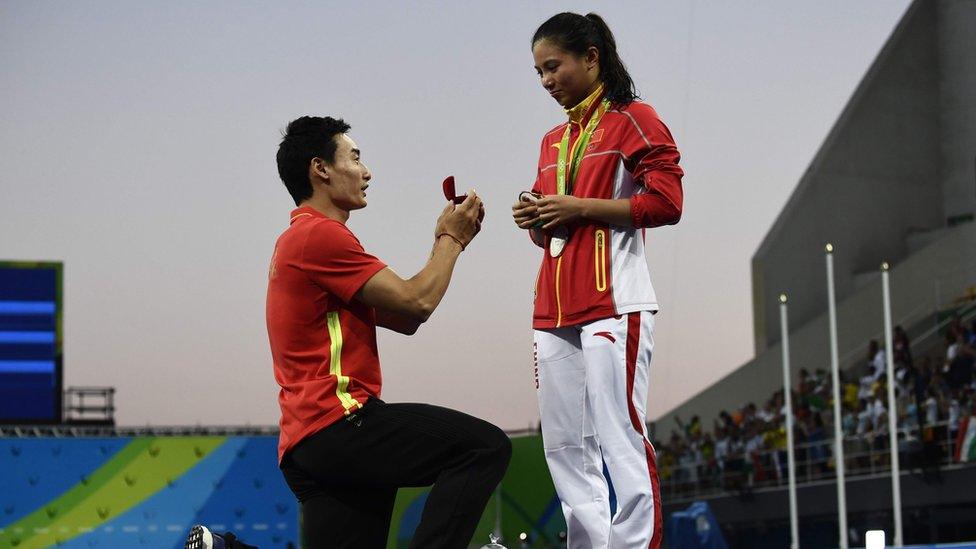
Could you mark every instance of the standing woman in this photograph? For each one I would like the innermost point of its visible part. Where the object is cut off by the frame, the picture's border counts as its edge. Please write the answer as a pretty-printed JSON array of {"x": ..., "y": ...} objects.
[{"x": 606, "y": 174}]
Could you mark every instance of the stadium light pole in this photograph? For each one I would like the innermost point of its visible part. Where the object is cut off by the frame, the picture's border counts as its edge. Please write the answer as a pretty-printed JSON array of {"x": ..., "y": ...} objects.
[
  {"x": 835, "y": 377},
  {"x": 892, "y": 409},
  {"x": 788, "y": 401}
]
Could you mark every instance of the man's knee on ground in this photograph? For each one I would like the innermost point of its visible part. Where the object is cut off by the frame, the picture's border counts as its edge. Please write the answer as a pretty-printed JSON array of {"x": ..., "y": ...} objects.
[{"x": 499, "y": 447}]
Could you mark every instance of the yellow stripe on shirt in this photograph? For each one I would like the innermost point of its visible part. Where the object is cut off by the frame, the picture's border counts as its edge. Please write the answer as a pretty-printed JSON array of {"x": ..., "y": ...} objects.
[{"x": 335, "y": 366}]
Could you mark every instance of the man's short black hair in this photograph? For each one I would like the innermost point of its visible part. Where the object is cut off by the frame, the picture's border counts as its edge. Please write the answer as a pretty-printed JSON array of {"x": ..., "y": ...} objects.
[{"x": 306, "y": 138}]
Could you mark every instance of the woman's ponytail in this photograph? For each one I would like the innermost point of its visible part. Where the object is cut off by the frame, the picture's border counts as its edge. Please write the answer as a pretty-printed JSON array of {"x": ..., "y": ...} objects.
[{"x": 617, "y": 81}]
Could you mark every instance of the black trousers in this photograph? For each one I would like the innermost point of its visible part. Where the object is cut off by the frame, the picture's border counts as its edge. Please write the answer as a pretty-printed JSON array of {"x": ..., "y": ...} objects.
[{"x": 346, "y": 475}]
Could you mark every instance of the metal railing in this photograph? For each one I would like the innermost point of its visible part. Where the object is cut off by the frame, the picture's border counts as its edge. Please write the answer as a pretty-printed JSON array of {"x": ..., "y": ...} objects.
[{"x": 927, "y": 449}]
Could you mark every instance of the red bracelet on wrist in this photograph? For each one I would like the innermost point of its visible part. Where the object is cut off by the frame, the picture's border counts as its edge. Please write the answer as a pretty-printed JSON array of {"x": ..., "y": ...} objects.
[{"x": 452, "y": 237}]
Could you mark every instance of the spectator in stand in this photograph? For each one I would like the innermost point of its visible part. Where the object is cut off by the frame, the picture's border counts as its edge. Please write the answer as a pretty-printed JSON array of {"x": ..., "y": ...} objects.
[
  {"x": 865, "y": 389},
  {"x": 735, "y": 464},
  {"x": 726, "y": 419},
  {"x": 923, "y": 378},
  {"x": 805, "y": 384},
  {"x": 904, "y": 375},
  {"x": 954, "y": 411},
  {"x": 952, "y": 343},
  {"x": 931, "y": 407},
  {"x": 849, "y": 421},
  {"x": 691, "y": 428},
  {"x": 820, "y": 392},
  {"x": 960, "y": 359},
  {"x": 876, "y": 360},
  {"x": 879, "y": 413},
  {"x": 822, "y": 381},
  {"x": 721, "y": 447},
  {"x": 863, "y": 418},
  {"x": 879, "y": 419},
  {"x": 676, "y": 449},
  {"x": 956, "y": 326},
  {"x": 861, "y": 445},
  {"x": 667, "y": 463},
  {"x": 754, "y": 445},
  {"x": 687, "y": 462},
  {"x": 909, "y": 422},
  {"x": 709, "y": 467},
  {"x": 749, "y": 412},
  {"x": 767, "y": 414},
  {"x": 775, "y": 439},
  {"x": 905, "y": 398},
  {"x": 849, "y": 393},
  {"x": 902, "y": 347},
  {"x": 875, "y": 367},
  {"x": 816, "y": 437},
  {"x": 737, "y": 420}
]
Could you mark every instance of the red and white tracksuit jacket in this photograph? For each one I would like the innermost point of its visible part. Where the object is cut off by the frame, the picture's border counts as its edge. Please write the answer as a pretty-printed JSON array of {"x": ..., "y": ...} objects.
[{"x": 603, "y": 270}]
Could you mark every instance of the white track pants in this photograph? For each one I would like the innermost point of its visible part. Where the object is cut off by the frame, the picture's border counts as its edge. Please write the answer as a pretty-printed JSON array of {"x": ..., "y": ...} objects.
[{"x": 592, "y": 388}]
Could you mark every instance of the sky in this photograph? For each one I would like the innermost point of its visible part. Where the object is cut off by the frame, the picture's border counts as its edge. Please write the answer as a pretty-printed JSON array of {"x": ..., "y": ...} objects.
[{"x": 137, "y": 145}]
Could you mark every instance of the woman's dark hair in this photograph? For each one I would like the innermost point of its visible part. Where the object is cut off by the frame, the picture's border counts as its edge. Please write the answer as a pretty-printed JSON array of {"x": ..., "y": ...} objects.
[
  {"x": 576, "y": 34},
  {"x": 306, "y": 138}
]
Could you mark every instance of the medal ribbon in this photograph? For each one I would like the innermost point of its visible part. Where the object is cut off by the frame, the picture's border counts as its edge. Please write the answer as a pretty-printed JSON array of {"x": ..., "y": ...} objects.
[{"x": 562, "y": 186}]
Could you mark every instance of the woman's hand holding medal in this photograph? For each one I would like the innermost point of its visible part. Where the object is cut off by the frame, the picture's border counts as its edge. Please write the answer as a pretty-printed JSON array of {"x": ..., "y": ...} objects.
[
  {"x": 557, "y": 210},
  {"x": 525, "y": 212},
  {"x": 549, "y": 214},
  {"x": 535, "y": 211}
]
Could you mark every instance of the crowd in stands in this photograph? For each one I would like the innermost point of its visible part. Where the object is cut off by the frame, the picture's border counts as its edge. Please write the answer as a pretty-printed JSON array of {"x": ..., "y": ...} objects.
[{"x": 747, "y": 447}]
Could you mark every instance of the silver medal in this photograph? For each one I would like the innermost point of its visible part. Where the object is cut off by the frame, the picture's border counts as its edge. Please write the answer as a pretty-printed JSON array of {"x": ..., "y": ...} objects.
[{"x": 557, "y": 242}]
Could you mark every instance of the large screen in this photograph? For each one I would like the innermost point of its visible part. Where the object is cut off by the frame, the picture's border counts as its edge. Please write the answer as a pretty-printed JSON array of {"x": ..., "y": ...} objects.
[{"x": 30, "y": 342}]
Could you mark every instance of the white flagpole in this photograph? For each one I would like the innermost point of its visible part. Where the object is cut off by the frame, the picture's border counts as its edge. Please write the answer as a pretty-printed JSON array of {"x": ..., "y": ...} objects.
[
  {"x": 892, "y": 409},
  {"x": 788, "y": 401},
  {"x": 835, "y": 377}
]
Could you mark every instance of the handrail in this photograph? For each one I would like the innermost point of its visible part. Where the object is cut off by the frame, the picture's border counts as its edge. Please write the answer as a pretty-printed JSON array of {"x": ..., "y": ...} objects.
[{"x": 700, "y": 478}]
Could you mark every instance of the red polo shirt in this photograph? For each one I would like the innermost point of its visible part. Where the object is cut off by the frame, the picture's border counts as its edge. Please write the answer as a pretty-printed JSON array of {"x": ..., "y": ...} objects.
[{"x": 323, "y": 342}]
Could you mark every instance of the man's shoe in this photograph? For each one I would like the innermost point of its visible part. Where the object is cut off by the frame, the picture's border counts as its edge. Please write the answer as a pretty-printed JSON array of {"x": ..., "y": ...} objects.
[{"x": 202, "y": 538}]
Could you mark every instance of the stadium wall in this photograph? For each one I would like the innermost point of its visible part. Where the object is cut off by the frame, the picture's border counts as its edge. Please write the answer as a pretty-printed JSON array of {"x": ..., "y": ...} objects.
[
  {"x": 145, "y": 491},
  {"x": 142, "y": 491}
]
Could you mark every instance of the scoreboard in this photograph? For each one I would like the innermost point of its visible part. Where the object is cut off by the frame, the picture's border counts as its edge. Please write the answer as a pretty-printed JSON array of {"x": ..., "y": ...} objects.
[{"x": 30, "y": 342}]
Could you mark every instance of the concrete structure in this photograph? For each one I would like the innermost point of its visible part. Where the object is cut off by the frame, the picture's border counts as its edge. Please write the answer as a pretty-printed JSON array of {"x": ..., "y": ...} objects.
[
  {"x": 897, "y": 167},
  {"x": 895, "y": 181}
]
